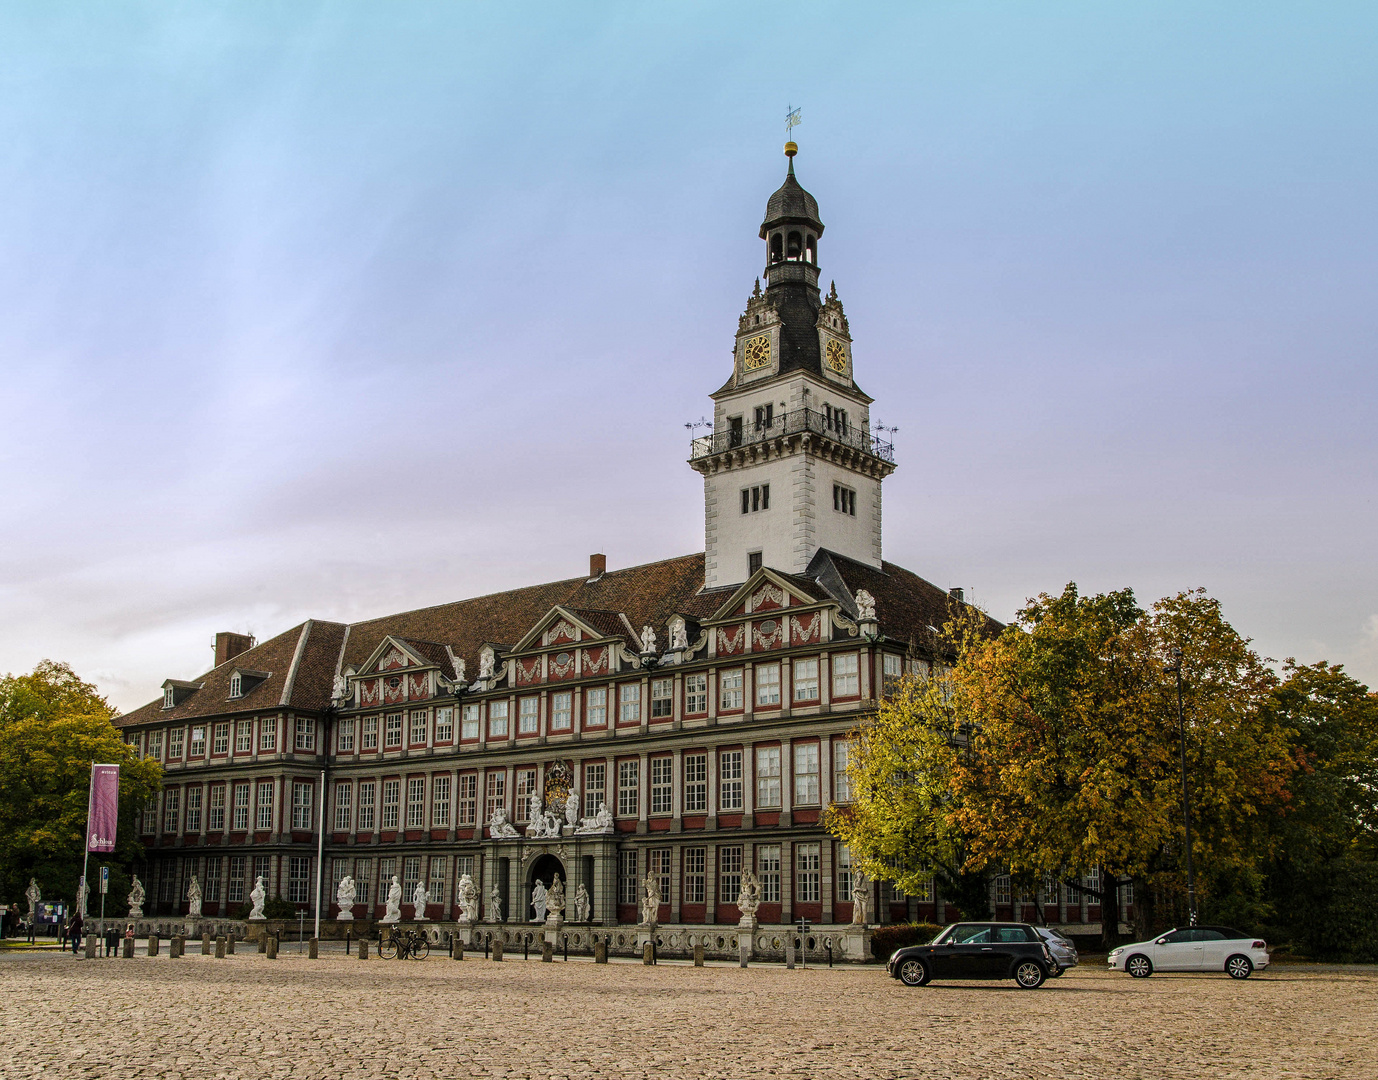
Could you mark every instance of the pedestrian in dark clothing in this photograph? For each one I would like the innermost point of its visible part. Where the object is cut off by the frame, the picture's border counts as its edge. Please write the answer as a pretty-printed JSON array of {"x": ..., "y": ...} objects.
[{"x": 74, "y": 932}]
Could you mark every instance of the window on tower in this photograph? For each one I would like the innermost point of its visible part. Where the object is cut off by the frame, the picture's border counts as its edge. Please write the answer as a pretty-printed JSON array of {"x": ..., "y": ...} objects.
[
  {"x": 794, "y": 247},
  {"x": 835, "y": 419},
  {"x": 753, "y": 562},
  {"x": 755, "y": 499},
  {"x": 844, "y": 500},
  {"x": 765, "y": 416},
  {"x": 777, "y": 248}
]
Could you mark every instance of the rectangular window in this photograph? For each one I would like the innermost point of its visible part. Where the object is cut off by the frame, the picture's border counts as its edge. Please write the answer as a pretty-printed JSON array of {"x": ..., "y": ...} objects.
[
  {"x": 595, "y": 708},
  {"x": 367, "y": 793},
  {"x": 628, "y": 787},
  {"x": 767, "y": 686},
  {"x": 495, "y": 794},
  {"x": 1002, "y": 889},
  {"x": 440, "y": 866},
  {"x": 267, "y": 733},
  {"x": 892, "y": 670},
  {"x": 445, "y": 725},
  {"x": 497, "y": 719},
  {"x": 174, "y": 743},
  {"x": 628, "y": 881},
  {"x": 215, "y": 817},
  {"x": 695, "y": 880},
  {"x": 392, "y": 731},
  {"x": 729, "y": 874},
  {"x": 241, "y": 808},
  {"x": 193, "y": 809},
  {"x": 662, "y": 866},
  {"x": 345, "y": 739},
  {"x": 411, "y": 874},
  {"x": 344, "y": 805},
  {"x": 561, "y": 711},
  {"x": 244, "y": 737},
  {"x": 845, "y": 675},
  {"x": 807, "y": 870},
  {"x": 464, "y": 864},
  {"x": 767, "y": 777},
  {"x": 595, "y": 786},
  {"x": 298, "y": 879},
  {"x": 528, "y": 715},
  {"x": 844, "y": 873},
  {"x": 338, "y": 869},
  {"x": 467, "y": 804},
  {"x": 369, "y": 741},
  {"x": 265, "y": 806},
  {"x": 842, "y": 784},
  {"x": 806, "y": 774},
  {"x": 768, "y": 870},
  {"x": 392, "y": 795},
  {"x": 306, "y": 733},
  {"x": 753, "y": 562},
  {"x": 235, "y": 893},
  {"x": 755, "y": 498},
  {"x": 835, "y": 419},
  {"x": 730, "y": 690},
  {"x": 363, "y": 878},
  {"x": 629, "y": 703},
  {"x": 301, "y": 805},
  {"x": 468, "y": 725},
  {"x": 155, "y": 745},
  {"x": 526, "y": 784},
  {"x": 662, "y": 697},
  {"x": 221, "y": 744},
  {"x": 416, "y": 802},
  {"x": 844, "y": 500},
  {"x": 695, "y": 783},
  {"x": 420, "y": 722},
  {"x": 387, "y": 870},
  {"x": 261, "y": 866},
  {"x": 662, "y": 785},
  {"x": 1091, "y": 879},
  {"x": 695, "y": 694},
  {"x": 198, "y": 742},
  {"x": 730, "y": 780},
  {"x": 440, "y": 802},
  {"x": 805, "y": 681},
  {"x": 764, "y": 416}
]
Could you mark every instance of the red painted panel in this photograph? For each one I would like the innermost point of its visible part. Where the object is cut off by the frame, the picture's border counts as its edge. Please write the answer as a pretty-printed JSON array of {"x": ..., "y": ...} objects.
[
  {"x": 805, "y": 817},
  {"x": 729, "y": 821},
  {"x": 697, "y": 822},
  {"x": 727, "y": 913},
  {"x": 660, "y": 825},
  {"x": 625, "y": 826},
  {"x": 692, "y": 913},
  {"x": 767, "y": 818}
]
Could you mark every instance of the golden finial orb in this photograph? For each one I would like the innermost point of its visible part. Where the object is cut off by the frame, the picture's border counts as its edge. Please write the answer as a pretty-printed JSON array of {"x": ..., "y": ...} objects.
[{"x": 791, "y": 149}]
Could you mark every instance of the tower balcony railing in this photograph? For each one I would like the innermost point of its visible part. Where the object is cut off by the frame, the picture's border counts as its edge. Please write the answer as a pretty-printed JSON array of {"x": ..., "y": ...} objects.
[{"x": 796, "y": 422}]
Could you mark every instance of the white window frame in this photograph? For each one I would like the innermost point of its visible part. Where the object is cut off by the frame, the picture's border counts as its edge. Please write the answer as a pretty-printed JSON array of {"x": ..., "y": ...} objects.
[
  {"x": 806, "y": 681},
  {"x": 696, "y": 694},
  {"x": 562, "y": 710},
  {"x": 696, "y": 783},
  {"x": 662, "y": 784},
  {"x": 730, "y": 781},
  {"x": 807, "y": 779},
  {"x": 730, "y": 684},
  {"x": 846, "y": 669},
  {"x": 767, "y": 679},
  {"x": 628, "y": 787}
]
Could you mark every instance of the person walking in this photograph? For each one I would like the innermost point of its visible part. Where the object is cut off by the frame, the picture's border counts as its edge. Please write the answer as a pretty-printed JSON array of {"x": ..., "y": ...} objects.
[{"x": 74, "y": 932}]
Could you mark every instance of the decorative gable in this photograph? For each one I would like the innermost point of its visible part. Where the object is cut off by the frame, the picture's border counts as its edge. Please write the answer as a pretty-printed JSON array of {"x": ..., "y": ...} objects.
[
  {"x": 394, "y": 658},
  {"x": 563, "y": 631}
]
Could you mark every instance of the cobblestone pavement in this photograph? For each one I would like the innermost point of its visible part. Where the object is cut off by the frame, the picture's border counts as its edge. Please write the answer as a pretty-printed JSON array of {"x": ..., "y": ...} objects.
[{"x": 251, "y": 1017}]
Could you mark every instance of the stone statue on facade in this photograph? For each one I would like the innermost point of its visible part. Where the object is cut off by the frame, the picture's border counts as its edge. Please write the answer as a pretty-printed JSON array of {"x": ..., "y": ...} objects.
[
  {"x": 600, "y": 822},
  {"x": 648, "y": 640},
  {"x": 420, "y": 897},
  {"x": 345, "y": 894},
  {"x": 499, "y": 827},
  {"x": 650, "y": 903},
  {"x": 258, "y": 894},
  {"x": 535, "y": 817},
  {"x": 748, "y": 898},
  {"x": 34, "y": 895},
  {"x": 459, "y": 671},
  {"x": 539, "y": 900},
  {"x": 486, "y": 662},
  {"x": 555, "y": 902},
  {"x": 393, "y": 913},
  {"x": 679, "y": 635},
  {"x": 194, "y": 899},
  {"x": 572, "y": 810},
  {"x": 136, "y": 899},
  {"x": 581, "y": 904},
  {"x": 340, "y": 690},
  {"x": 861, "y": 891},
  {"x": 865, "y": 606},
  {"x": 494, "y": 903},
  {"x": 466, "y": 892}
]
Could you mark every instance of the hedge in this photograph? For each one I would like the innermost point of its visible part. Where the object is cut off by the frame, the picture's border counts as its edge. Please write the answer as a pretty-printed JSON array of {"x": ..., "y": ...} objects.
[{"x": 886, "y": 939}]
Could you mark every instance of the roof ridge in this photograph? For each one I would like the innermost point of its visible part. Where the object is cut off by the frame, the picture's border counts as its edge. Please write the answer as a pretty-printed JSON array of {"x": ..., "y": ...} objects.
[{"x": 291, "y": 679}]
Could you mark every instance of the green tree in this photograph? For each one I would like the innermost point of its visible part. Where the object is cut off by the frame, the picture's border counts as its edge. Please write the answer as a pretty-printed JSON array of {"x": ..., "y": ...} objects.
[{"x": 52, "y": 727}]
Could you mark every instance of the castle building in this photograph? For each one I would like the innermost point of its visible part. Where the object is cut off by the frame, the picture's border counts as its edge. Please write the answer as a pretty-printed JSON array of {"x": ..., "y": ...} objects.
[{"x": 686, "y": 719}]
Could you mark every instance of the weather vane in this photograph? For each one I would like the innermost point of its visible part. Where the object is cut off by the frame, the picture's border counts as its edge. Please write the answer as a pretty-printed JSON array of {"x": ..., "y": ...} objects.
[{"x": 792, "y": 121}]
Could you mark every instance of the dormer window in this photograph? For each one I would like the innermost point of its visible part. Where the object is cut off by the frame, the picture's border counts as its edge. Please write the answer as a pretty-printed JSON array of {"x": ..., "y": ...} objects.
[
  {"x": 243, "y": 681},
  {"x": 236, "y": 685},
  {"x": 169, "y": 697}
]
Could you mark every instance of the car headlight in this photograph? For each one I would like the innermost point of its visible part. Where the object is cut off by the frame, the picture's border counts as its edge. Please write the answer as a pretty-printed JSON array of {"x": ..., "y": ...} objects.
[{"x": 1115, "y": 952}]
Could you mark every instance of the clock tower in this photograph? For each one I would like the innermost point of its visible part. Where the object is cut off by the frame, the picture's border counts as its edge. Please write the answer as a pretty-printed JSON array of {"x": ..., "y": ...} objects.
[{"x": 791, "y": 465}]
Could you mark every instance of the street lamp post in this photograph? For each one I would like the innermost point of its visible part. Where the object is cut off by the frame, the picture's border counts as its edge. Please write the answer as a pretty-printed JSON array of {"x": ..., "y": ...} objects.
[{"x": 1186, "y": 802}]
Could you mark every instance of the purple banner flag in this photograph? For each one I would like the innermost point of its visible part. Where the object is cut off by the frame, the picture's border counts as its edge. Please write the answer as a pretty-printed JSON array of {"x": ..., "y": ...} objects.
[{"x": 103, "y": 810}]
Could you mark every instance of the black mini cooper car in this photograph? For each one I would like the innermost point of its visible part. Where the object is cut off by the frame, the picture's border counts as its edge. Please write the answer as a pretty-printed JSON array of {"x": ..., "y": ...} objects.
[{"x": 976, "y": 950}]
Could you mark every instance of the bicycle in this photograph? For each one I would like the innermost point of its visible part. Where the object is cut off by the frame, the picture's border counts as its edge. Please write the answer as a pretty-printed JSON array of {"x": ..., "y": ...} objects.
[{"x": 408, "y": 946}]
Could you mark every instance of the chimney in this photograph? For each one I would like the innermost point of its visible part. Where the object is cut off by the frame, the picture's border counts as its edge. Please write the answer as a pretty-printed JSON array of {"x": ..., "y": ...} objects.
[
  {"x": 958, "y": 594},
  {"x": 598, "y": 566},
  {"x": 229, "y": 645}
]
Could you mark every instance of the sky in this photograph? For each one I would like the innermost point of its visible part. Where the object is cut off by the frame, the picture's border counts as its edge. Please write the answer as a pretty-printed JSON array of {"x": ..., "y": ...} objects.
[{"x": 337, "y": 310}]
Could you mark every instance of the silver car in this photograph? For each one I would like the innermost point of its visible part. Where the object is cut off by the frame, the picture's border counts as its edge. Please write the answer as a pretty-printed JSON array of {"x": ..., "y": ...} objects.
[{"x": 1064, "y": 952}]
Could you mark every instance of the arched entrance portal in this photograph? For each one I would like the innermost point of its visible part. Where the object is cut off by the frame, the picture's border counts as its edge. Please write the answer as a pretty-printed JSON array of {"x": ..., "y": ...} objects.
[{"x": 543, "y": 870}]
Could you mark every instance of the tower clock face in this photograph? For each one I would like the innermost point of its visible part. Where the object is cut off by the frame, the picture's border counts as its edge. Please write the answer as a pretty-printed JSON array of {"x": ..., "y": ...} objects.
[
  {"x": 835, "y": 356},
  {"x": 756, "y": 355}
]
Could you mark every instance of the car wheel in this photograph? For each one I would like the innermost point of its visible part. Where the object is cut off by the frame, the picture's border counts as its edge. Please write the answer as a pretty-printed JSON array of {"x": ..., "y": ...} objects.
[
  {"x": 913, "y": 973},
  {"x": 1030, "y": 975},
  {"x": 1139, "y": 966},
  {"x": 1239, "y": 967}
]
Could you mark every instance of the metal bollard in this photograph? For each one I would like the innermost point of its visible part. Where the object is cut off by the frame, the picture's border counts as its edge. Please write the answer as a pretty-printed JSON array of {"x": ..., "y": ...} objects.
[
  {"x": 526, "y": 947},
  {"x": 829, "y": 946},
  {"x": 565, "y": 939}
]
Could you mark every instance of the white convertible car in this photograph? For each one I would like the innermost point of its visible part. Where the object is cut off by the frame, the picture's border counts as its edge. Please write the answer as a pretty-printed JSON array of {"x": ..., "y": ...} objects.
[{"x": 1193, "y": 948}]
